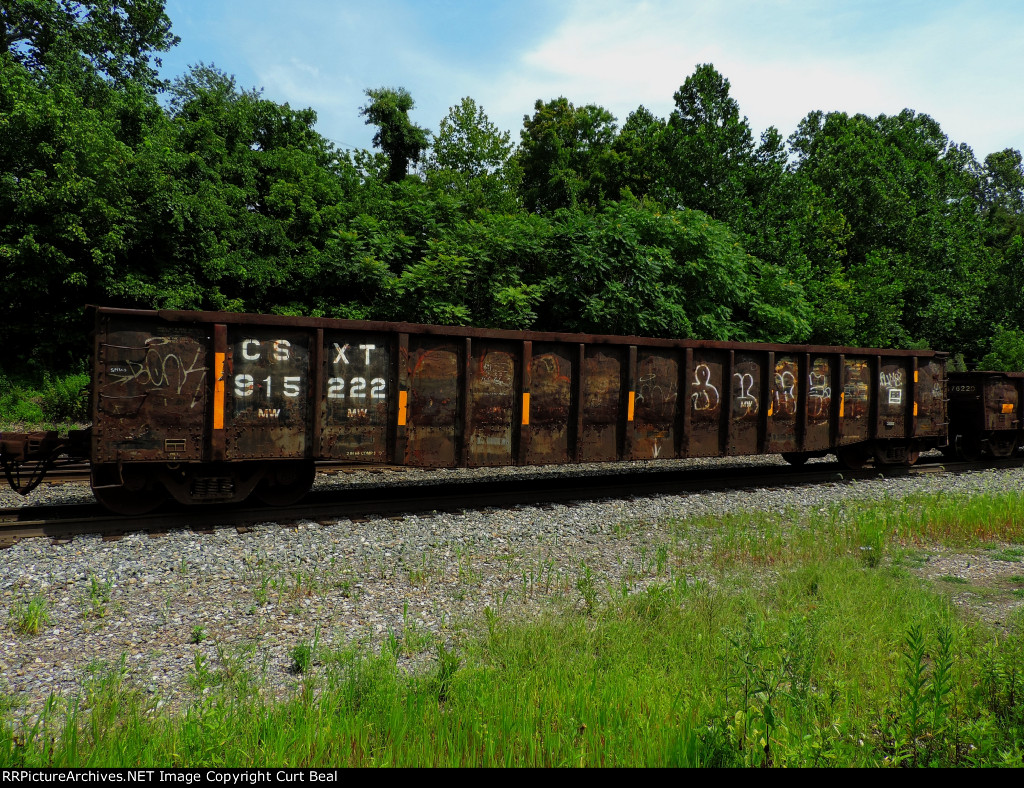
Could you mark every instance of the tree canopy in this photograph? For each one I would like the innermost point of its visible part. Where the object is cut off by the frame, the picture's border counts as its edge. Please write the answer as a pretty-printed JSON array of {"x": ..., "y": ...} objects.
[{"x": 874, "y": 231}]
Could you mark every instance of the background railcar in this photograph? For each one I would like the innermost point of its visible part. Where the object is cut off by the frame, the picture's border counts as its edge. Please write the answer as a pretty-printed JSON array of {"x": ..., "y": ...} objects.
[
  {"x": 984, "y": 413},
  {"x": 206, "y": 406}
]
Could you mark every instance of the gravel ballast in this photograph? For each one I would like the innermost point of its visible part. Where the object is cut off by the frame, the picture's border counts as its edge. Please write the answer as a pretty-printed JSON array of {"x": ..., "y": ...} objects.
[{"x": 160, "y": 601}]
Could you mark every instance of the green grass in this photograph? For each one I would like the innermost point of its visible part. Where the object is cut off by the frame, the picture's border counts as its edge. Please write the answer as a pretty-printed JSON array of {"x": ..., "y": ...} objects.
[
  {"x": 799, "y": 648},
  {"x": 46, "y": 402},
  {"x": 29, "y": 614}
]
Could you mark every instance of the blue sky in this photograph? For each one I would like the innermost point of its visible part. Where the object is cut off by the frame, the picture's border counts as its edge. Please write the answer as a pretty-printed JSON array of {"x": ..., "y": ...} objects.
[{"x": 960, "y": 62}]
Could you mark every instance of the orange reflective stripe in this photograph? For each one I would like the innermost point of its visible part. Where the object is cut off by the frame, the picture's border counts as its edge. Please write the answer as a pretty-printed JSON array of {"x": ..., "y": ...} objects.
[
  {"x": 632, "y": 400},
  {"x": 526, "y": 408},
  {"x": 218, "y": 391},
  {"x": 403, "y": 399}
]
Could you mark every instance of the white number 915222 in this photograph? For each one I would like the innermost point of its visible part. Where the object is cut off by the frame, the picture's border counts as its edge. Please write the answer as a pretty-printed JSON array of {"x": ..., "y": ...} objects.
[{"x": 356, "y": 388}]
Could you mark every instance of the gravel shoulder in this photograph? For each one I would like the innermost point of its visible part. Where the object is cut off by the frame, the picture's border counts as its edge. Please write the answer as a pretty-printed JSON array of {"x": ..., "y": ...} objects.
[{"x": 163, "y": 602}]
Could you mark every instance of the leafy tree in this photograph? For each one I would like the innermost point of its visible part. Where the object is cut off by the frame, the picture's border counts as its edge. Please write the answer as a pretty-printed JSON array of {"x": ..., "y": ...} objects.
[
  {"x": 566, "y": 155},
  {"x": 708, "y": 148},
  {"x": 401, "y": 140},
  {"x": 640, "y": 165},
  {"x": 1006, "y": 351},
  {"x": 117, "y": 38},
  {"x": 471, "y": 156}
]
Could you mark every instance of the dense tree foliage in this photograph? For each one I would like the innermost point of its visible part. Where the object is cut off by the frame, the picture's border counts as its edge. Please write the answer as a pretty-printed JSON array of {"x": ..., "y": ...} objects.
[{"x": 855, "y": 230}]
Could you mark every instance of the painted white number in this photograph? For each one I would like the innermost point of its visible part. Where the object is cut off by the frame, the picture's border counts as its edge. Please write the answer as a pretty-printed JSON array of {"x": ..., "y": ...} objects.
[
  {"x": 243, "y": 385},
  {"x": 336, "y": 388},
  {"x": 357, "y": 388},
  {"x": 267, "y": 381},
  {"x": 291, "y": 386},
  {"x": 377, "y": 388}
]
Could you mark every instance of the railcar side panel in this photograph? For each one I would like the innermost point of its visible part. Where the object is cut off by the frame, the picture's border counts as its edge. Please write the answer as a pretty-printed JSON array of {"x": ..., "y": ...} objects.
[
  {"x": 602, "y": 406},
  {"x": 782, "y": 406},
  {"x": 818, "y": 436},
  {"x": 930, "y": 399},
  {"x": 656, "y": 404},
  {"x": 548, "y": 416},
  {"x": 150, "y": 391},
  {"x": 855, "y": 401},
  {"x": 745, "y": 404},
  {"x": 355, "y": 396},
  {"x": 494, "y": 377},
  {"x": 267, "y": 406},
  {"x": 433, "y": 370},
  {"x": 892, "y": 397},
  {"x": 705, "y": 403}
]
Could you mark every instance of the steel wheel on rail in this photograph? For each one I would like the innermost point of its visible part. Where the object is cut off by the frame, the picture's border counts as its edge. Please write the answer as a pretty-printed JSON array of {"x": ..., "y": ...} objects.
[
  {"x": 853, "y": 457},
  {"x": 795, "y": 458},
  {"x": 1002, "y": 446},
  {"x": 121, "y": 500},
  {"x": 968, "y": 448},
  {"x": 286, "y": 483}
]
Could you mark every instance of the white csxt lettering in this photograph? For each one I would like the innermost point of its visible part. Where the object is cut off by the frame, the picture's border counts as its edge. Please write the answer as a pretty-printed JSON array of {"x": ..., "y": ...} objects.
[
  {"x": 340, "y": 352},
  {"x": 280, "y": 349}
]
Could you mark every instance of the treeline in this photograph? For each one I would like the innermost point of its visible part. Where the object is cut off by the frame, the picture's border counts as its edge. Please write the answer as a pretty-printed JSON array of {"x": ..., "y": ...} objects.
[{"x": 119, "y": 189}]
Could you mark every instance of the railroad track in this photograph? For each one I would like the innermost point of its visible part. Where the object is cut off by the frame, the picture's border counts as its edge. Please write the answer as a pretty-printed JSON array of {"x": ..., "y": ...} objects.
[
  {"x": 63, "y": 522},
  {"x": 78, "y": 472}
]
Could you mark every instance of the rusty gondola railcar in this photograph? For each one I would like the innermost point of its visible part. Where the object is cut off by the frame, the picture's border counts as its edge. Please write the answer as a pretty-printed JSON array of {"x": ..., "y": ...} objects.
[
  {"x": 215, "y": 407},
  {"x": 984, "y": 413}
]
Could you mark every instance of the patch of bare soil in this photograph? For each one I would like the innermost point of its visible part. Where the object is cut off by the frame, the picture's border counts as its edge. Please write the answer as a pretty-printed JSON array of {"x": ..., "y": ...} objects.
[{"x": 987, "y": 583}]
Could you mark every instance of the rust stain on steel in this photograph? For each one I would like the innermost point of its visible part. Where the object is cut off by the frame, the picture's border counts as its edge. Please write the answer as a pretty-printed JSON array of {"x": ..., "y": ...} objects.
[
  {"x": 855, "y": 400},
  {"x": 433, "y": 370},
  {"x": 551, "y": 375},
  {"x": 931, "y": 396},
  {"x": 150, "y": 392},
  {"x": 706, "y": 387},
  {"x": 657, "y": 398},
  {"x": 357, "y": 391},
  {"x": 602, "y": 403},
  {"x": 493, "y": 383},
  {"x": 819, "y": 404},
  {"x": 892, "y": 392},
  {"x": 745, "y": 404},
  {"x": 785, "y": 393},
  {"x": 268, "y": 400}
]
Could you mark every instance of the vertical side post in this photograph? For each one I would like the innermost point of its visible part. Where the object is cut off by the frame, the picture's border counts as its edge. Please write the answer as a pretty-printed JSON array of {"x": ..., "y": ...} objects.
[
  {"x": 524, "y": 406},
  {"x": 218, "y": 441}
]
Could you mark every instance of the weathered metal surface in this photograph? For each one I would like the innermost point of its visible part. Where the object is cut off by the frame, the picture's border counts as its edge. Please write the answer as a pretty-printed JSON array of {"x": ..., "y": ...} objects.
[
  {"x": 655, "y": 404},
  {"x": 442, "y": 396},
  {"x": 494, "y": 410},
  {"x": 745, "y": 403},
  {"x": 267, "y": 407},
  {"x": 150, "y": 390},
  {"x": 930, "y": 399},
  {"x": 782, "y": 411},
  {"x": 603, "y": 403},
  {"x": 893, "y": 393},
  {"x": 818, "y": 435},
  {"x": 855, "y": 400},
  {"x": 355, "y": 398},
  {"x": 1001, "y": 403},
  {"x": 433, "y": 371},
  {"x": 705, "y": 401},
  {"x": 552, "y": 375}
]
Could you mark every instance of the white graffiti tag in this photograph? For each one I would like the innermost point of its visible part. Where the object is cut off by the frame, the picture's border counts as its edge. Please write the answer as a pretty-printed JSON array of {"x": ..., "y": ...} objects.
[
  {"x": 705, "y": 395},
  {"x": 746, "y": 402}
]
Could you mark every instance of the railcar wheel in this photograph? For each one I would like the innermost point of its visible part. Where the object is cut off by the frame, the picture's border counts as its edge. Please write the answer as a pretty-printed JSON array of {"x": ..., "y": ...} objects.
[
  {"x": 1002, "y": 446},
  {"x": 285, "y": 483},
  {"x": 794, "y": 457},
  {"x": 852, "y": 457},
  {"x": 968, "y": 448},
  {"x": 130, "y": 503}
]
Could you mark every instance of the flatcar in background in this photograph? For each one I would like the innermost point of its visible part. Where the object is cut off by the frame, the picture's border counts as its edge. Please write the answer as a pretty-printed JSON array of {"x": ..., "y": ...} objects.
[{"x": 217, "y": 407}]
